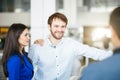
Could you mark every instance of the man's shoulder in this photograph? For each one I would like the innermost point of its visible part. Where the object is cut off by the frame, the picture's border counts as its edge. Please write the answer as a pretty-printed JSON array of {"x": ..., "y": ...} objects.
[
  {"x": 92, "y": 71},
  {"x": 102, "y": 65},
  {"x": 35, "y": 45},
  {"x": 69, "y": 39},
  {"x": 103, "y": 68}
]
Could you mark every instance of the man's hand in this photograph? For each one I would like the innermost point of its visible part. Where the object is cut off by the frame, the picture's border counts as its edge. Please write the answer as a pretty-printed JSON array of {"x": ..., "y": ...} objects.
[{"x": 39, "y": 41}]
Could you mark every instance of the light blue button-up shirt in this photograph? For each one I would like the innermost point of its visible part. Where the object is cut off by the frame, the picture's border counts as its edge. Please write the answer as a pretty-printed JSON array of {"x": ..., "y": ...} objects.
[{"x": 55, "y": 62}]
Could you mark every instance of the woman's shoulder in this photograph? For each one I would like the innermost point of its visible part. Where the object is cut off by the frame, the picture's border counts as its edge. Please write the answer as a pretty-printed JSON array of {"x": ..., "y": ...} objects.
[
  {"x": 14, "y": 62},
  {"x": 14, "y": 58}
]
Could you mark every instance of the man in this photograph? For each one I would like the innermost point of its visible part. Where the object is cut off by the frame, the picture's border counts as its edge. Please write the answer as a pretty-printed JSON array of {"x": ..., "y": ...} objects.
[
  {"x": 54, "y": 60},
  {"x": 108, "y": 69}
]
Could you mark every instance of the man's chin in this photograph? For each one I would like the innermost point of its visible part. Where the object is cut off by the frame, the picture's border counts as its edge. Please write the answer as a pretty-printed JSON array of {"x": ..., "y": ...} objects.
[{"x": 58, "y": 38}]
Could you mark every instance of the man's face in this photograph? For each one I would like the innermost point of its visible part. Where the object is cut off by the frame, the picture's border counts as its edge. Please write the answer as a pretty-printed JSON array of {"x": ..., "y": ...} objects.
[
  {"x": 57, "y": 28},
  {"x": 114, "y": 37}
]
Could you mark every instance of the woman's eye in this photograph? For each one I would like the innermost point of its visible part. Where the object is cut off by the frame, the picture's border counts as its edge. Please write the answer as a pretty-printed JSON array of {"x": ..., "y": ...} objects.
[{"x": 27, "y": 34}]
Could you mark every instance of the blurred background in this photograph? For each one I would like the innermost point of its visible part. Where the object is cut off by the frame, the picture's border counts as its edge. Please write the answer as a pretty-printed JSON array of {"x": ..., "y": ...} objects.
[{"x": 87, "y": 20}]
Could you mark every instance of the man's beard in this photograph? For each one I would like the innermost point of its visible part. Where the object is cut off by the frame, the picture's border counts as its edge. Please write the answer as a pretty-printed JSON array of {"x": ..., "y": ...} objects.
[{"x": 58, "y": 38}]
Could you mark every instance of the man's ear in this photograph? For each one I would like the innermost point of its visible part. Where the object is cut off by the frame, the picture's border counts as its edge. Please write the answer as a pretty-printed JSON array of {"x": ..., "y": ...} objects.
[{"x": 48, "y": 26}]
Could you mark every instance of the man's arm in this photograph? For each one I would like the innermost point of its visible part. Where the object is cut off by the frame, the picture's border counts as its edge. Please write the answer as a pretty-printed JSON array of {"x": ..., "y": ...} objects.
[
  {"x": 34, "y": 56},
  {"x": 39, "y": 41},
  {"x": 91, "y": 52}
]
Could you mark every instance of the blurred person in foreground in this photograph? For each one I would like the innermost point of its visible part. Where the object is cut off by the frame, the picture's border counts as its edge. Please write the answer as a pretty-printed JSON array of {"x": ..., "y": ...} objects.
[
  {"x": 54, "y": 60},
  {"x": 16, "y": 64},
  {"x": 108, "y": 69}
]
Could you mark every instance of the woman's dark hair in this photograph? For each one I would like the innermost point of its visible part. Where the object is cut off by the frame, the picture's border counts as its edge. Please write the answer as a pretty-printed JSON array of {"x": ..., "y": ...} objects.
[
  {"x": 12, "y": 45},
  {"x": 59, "y": 16},
  {"x": 115, "y": 20}
]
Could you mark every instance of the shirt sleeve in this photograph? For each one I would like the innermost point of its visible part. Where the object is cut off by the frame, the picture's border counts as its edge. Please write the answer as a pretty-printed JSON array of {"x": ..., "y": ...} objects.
[
  {"x": 91, "y": 52},
  {"x": 33, "y": 55},
  {"x": 13, "y": 67}
]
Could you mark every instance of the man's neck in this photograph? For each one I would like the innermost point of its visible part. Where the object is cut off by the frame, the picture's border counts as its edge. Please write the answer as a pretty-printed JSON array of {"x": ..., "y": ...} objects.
[{"x": 54, "y": 41}]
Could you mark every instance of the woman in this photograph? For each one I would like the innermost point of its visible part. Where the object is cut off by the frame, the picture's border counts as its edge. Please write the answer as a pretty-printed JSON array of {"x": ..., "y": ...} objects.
[{"x": 16, "y": 64}]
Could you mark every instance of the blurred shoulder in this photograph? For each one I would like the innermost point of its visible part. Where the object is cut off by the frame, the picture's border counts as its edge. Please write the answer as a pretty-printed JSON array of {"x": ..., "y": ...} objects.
[
  {"x": 34, "y": 46},
  {"x": 14, "y": 59}
]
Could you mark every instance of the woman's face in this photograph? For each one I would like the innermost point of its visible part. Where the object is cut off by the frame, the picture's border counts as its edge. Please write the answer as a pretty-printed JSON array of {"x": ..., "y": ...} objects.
[{"x": 24, "y": 38}]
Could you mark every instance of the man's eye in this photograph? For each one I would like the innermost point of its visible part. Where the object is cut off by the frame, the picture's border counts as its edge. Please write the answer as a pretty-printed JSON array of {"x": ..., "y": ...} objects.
[{"x": 63, "y": 26}]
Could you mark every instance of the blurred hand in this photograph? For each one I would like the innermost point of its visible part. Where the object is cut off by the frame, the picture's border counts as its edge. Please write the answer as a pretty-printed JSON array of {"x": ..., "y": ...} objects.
[{"x": 39, "y": 41}]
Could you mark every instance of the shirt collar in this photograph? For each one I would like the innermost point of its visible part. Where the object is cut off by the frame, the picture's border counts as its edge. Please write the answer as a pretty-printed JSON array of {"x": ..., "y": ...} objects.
[{"x": 50, "y": 44}]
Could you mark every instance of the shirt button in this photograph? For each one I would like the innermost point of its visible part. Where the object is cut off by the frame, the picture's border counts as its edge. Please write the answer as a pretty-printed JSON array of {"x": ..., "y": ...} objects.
[
  {"x": 57, "y": 65},
  {"x": 57, "y": 73},
  {"x": 56, "y": 56}
]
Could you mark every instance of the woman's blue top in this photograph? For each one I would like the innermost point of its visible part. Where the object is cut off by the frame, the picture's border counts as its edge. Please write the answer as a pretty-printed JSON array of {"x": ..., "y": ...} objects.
[{"x": 18, "y": 70}]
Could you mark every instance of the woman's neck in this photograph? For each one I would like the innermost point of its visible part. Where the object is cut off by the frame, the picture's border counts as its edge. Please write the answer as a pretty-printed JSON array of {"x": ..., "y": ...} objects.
[{"x": 21, "y": 49}]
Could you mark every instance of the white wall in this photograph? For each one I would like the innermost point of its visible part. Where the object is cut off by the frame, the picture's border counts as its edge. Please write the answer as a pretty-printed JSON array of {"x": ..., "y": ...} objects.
[
  {"x": 70, "y": 10},
  {"x": 40, "y": 11},
  {"x": 93, "y": 19}
]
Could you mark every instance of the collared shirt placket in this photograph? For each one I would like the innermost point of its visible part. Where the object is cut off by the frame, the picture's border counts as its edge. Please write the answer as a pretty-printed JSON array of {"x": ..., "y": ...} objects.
[{"x": 57, "y": 63}]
